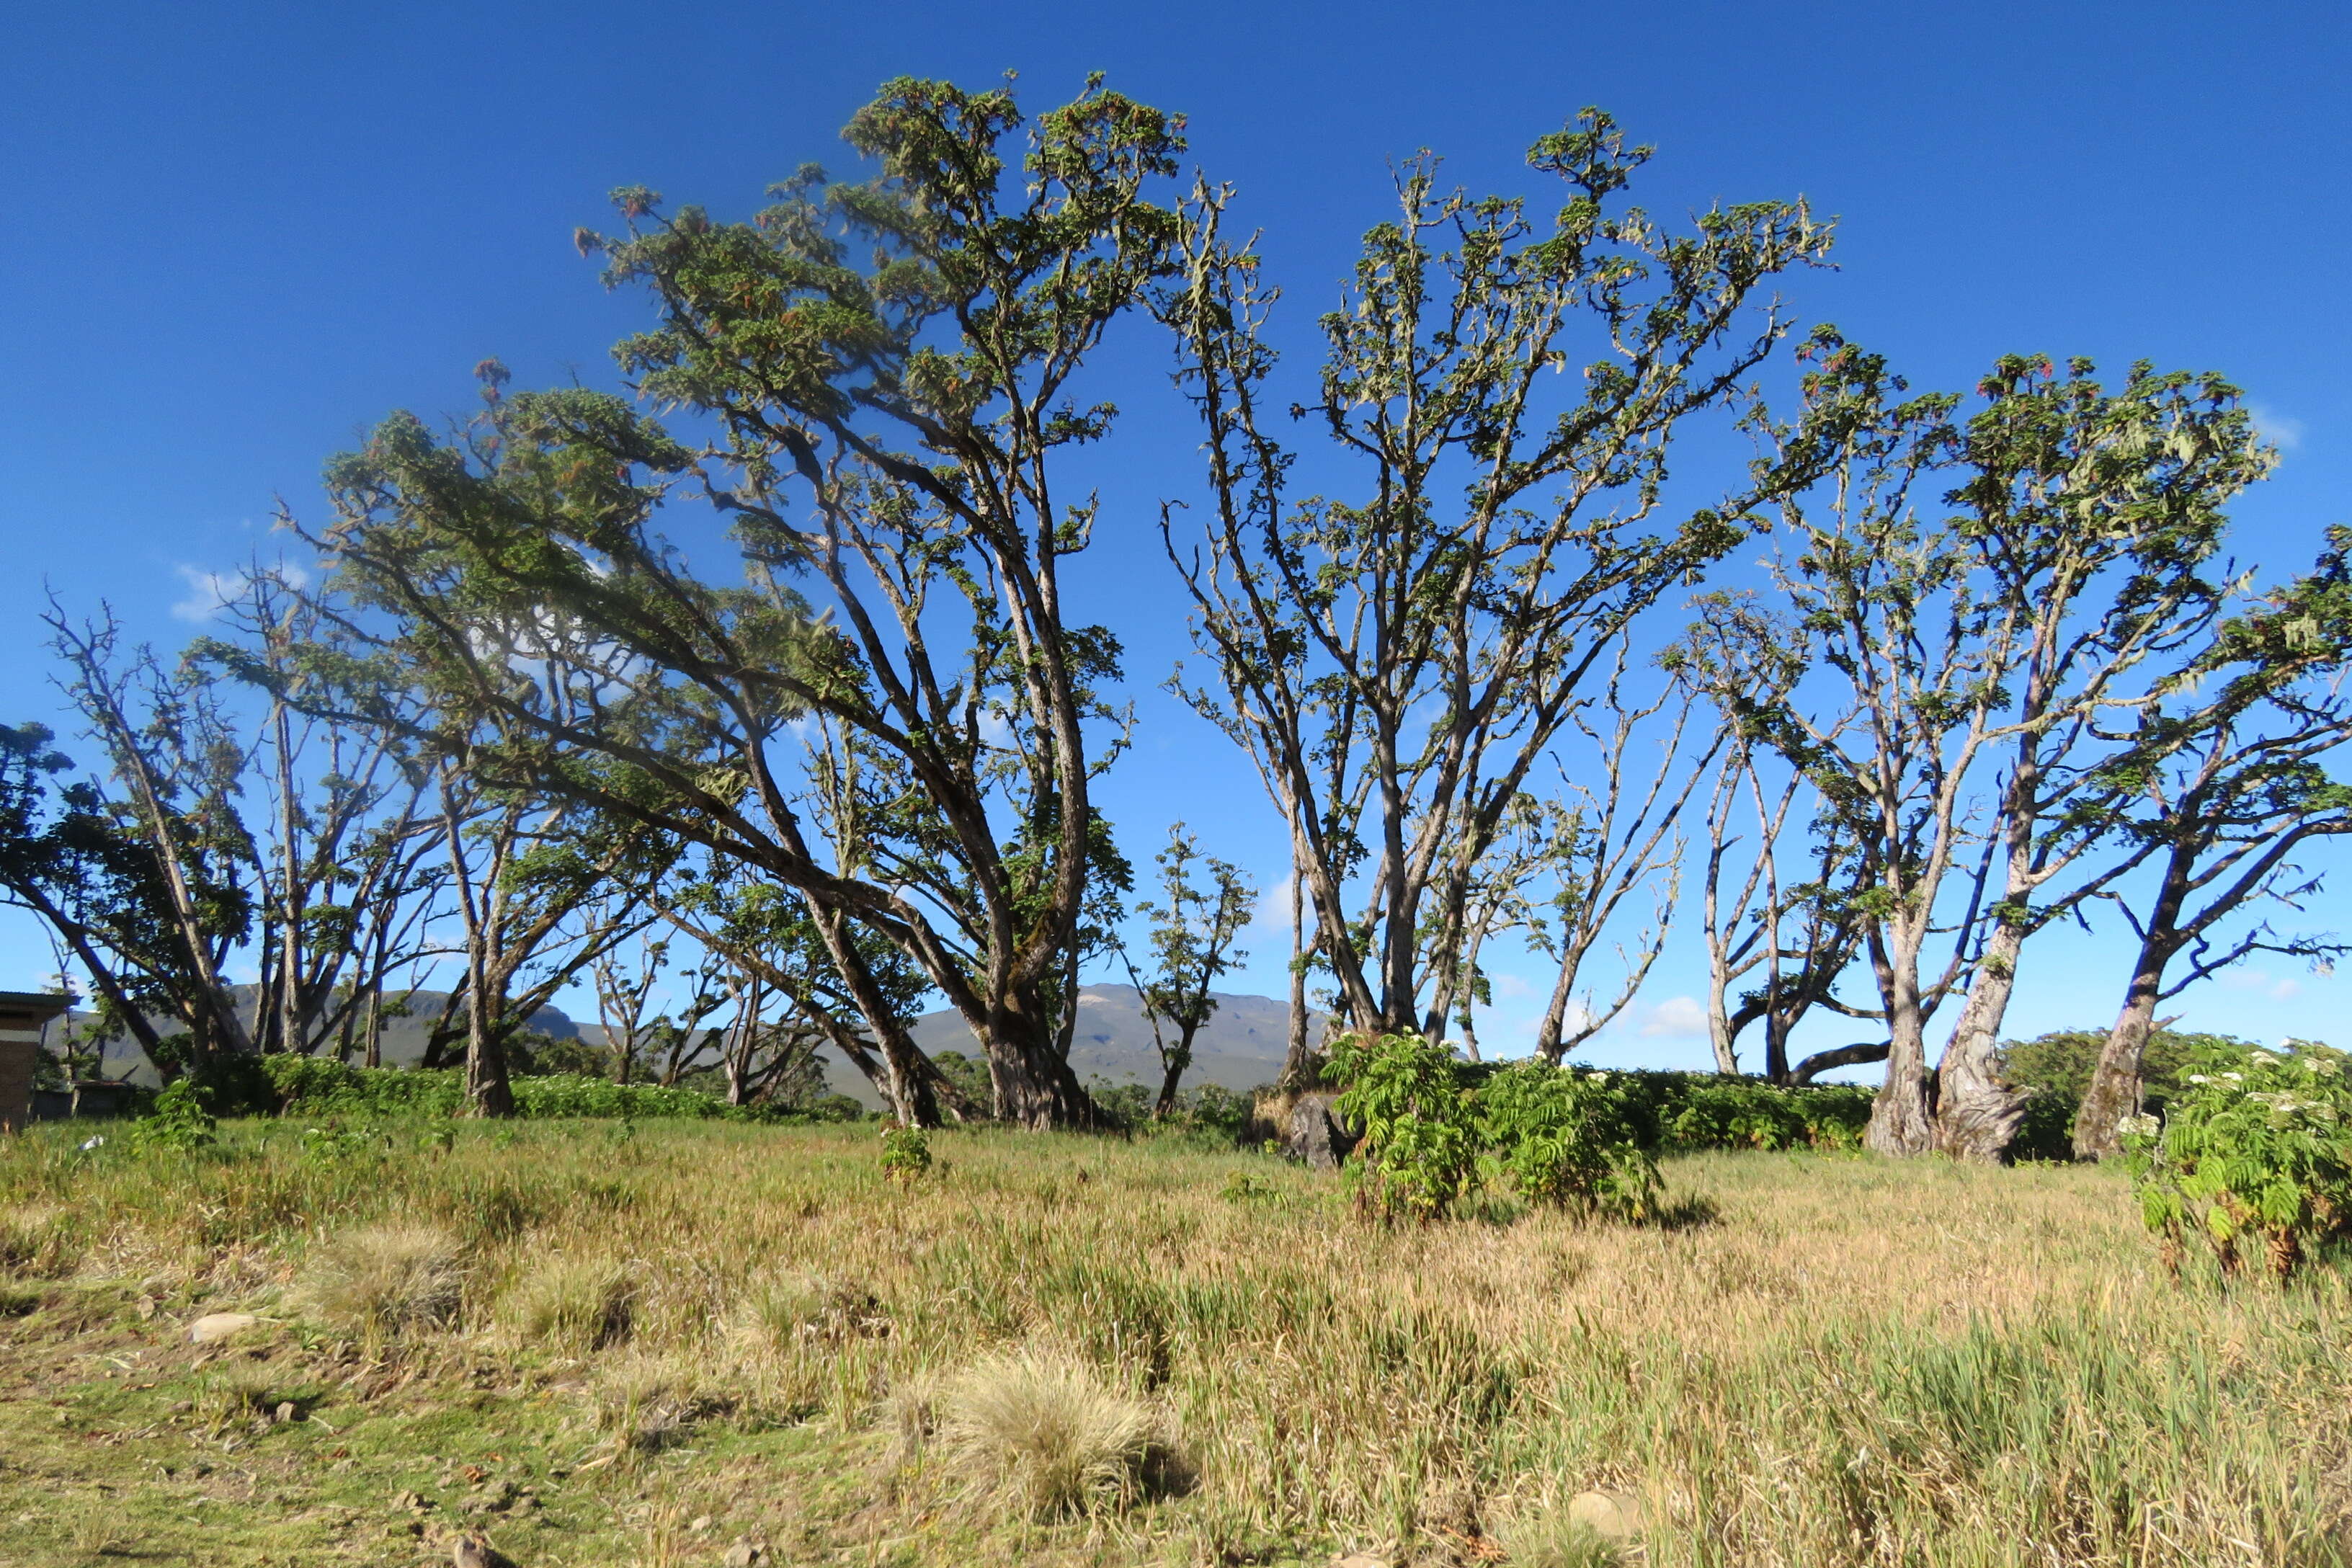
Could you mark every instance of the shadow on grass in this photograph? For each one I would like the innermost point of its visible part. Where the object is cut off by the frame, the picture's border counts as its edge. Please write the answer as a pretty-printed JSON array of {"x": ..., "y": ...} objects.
[{"x": 1691, "y": 1211}]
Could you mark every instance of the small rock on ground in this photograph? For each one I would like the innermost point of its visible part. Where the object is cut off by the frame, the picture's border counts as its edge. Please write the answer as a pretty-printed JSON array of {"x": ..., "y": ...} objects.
[
  {"x": 746, "y": 1554},
  {"x": 217, "y": 1326}
]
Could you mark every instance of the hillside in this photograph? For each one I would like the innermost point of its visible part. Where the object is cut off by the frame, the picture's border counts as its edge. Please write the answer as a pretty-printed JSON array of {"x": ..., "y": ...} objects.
[{"x": 1241, "y": 1046}]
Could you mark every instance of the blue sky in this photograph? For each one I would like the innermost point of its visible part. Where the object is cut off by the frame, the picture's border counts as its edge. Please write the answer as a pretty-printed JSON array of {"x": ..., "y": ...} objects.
[{"x": 240, "y": 234}]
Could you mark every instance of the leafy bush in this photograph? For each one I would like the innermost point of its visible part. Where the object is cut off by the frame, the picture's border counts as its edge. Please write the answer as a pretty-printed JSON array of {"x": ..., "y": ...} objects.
[
  {"x": 317, "y": 1086},
  {"x": 1572, "y": 1136},
  {"x": 1420, "y": 1131},
  {"x": 906, "y": 1153},
  {"x": 1710, "y": 1111},
  {"x": 178, "y": 1118},
  {"x": 1566, "y": 1139},
  {"x": 2054, "y": 1069},
  {"x": 2255, "y": 1151}
]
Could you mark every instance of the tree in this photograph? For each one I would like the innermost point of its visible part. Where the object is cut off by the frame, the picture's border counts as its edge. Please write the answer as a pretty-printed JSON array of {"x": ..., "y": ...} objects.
[
  {"x": 176, "y": 757},
  {"x": 1396, "y": 663},
  {"x": 2008, "y": 630},
  {"x": 888, "y": 445},
  {"x": 542, "y": 889},
  {"x": 1881, "y": 611},
  {"x": 66, "y": 861},
  {"x": 341, "y": 841},
  {"x": 1192, "y": 935},
  {"x": 2218, "y": 794},
  {"x": 758, "y": 933},
  {"x": 2094, "y": 516}
]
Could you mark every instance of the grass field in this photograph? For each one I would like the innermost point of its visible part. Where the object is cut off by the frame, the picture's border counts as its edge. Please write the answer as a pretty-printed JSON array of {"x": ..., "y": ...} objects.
[{"x": 615, "y": 1345}]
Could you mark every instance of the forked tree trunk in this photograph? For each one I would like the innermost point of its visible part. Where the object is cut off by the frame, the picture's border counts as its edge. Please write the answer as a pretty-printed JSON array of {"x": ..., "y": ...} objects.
[{"x": 1977, "y": 1112}]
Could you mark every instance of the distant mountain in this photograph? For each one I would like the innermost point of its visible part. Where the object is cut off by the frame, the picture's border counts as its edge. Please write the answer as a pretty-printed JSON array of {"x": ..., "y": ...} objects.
[{"x": 1240, "y": 1047}]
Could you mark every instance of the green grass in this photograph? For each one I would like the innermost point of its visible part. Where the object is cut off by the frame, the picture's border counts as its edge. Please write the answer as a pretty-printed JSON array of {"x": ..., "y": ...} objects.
[{"x": 634, "y": 1330}]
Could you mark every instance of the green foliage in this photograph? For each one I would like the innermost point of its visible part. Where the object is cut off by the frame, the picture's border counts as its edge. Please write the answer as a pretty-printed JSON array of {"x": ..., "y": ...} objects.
[
  {"x": 179, "y": 1119},
  {"x": 1568, "y": 1140},
  {"x": 1419, "y": 1151},
  {"x": 2059, "y": 1062},
  {"x": 906, "y": 1154},
  {"x": 2255, "y": 1152},
  {"x": 969, "y": 1074},
  {"x": 321, "y": 1086},
  {"x": 1688, "y": 1111},
  {"x": 1569, "y": 1136}
]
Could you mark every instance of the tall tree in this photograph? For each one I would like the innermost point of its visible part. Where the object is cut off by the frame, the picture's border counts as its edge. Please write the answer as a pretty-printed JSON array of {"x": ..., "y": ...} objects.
[
  {"x": 1396, "y": 663},
  {"x": 2095, "y": 516},
  {"x": 1194, "y": 929},
  {"x": 176, "y": 757},
  {"x": 890, "y": 367},
  {"x": 2064, "y": 584},
  {"x": 69, "y": 863},
  {"x": 2222, "y": 784},
  {"x": 1882, "y": 617}
]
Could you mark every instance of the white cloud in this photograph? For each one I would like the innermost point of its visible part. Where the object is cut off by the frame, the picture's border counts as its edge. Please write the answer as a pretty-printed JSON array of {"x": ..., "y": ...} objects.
[
  {"x": 2279, "y": 429},
  {"x": 1273, "y": 911},
  {"x": 208, "y": 592},
  {"x": 1676, "y": 1016},
  {"x": 2278, "y": 987}
]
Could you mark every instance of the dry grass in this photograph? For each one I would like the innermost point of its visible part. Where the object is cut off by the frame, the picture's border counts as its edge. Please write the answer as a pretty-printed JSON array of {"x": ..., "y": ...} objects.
[
  {"x": 39, "y": 1240},
  {"x": 1044, "y": 1433},
  {"x": 1855, "y": 1364},
  {"x": 568, "y": 1303},
  {"x": 382, "y": 1280}
]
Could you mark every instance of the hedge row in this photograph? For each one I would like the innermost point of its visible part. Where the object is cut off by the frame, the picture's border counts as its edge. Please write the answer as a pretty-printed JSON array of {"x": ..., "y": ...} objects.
[
  {"x": 1682, "y": 1112},
  {"x": 321, "y": 1086}
]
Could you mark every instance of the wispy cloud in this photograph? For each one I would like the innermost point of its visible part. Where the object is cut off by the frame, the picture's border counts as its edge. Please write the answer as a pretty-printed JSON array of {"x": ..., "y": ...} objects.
[
  {"x": 2280, "y": 430},
  {"x": 2278, "y": 987},
  {"x": 1676, "y": 1017},
  {"x": 210, "y": 592}
]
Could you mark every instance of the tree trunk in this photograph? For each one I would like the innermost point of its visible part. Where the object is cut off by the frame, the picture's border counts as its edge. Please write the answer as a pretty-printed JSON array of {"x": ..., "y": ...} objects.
[
  {"x": 1977, "y": 1112},
  {"x": 2115, "y": 1086},
  {"x": 488, "y": 1092},
  {"x": 1299, "y": 1065},
  {"x": 1033, "y": 1084},
  {"x": 1902, "y": 1119},
  {"x": 1166, "y": 1106}
]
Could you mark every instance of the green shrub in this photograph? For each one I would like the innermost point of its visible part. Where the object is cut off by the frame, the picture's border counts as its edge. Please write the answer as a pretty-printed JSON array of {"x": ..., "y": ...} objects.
[
  {"x": 2255, "y": 1151},
  {"x": 178, "y": 1118},
  {"x": 321, "y": 1086},
  {"x": 1418, "y": 1126},
  {"x": 1566, "y": 1139},
  {"x": 906, "y": 1153}
]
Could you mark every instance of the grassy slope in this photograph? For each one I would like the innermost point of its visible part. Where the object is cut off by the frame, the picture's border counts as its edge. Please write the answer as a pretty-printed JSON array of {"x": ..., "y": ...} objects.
[{"x": 1855, "y": 1363}]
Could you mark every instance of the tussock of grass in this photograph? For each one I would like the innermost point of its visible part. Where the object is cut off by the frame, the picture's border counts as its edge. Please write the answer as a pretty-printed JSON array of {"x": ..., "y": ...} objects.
[
  {"x": 568, "y": 1303},
  {"x": 386, "y": 1279},
  {"x": 239, "y": 1388},
  {"x": 39, "y": 1240},
  {"x": 780, "y": 1311},
  {"x": 1050, "y": 1437}
]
